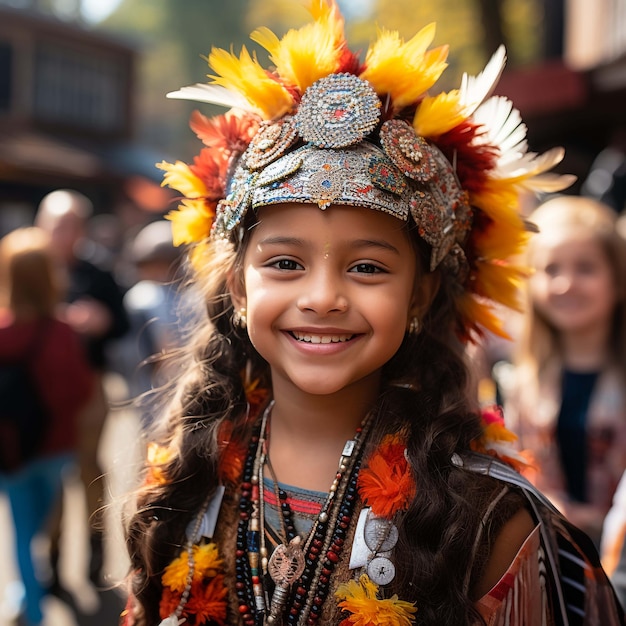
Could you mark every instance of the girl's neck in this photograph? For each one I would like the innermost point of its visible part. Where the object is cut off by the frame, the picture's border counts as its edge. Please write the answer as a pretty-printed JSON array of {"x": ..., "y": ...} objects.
[
  {"x": 586, "y": 351},
  {"x": 308, "y": 434}
]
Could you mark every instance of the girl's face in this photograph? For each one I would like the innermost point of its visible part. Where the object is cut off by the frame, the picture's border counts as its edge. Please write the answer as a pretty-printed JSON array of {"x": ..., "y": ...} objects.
[
  {"x": 328, "y": 294},
  {"x": 573, "y": 285}
]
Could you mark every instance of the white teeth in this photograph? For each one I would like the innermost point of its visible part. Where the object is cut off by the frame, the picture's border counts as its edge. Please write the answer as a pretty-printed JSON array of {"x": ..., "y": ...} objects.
[{"x": 321, "y": 338}]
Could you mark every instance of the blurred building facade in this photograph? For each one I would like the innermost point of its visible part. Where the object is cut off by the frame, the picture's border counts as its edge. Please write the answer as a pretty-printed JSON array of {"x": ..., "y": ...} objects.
[
  {"x": 66, "y": 115},
  {"x": 576, "y": 97},
  {"x": 67, "y": 97}
]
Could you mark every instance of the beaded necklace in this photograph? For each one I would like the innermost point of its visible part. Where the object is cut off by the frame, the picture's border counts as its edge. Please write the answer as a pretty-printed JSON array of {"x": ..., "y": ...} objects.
[{"x": 299, "y": 568}]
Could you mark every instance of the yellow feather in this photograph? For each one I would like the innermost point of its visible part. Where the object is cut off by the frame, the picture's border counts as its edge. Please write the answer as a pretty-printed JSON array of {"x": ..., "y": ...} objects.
[
  {"x": 323, "y": 9},
  {"x": 246, "y": 76},
  {"x": 302, "y": 56},
  {"x": 499, "y": 282},
  {"x": 499, "y": 199},
  {"x": 500, "y": 240},
  {"x": 477, "y": 313},
  {"x": 307, "y": 54},
  {"x": 179, "y": 176},
  {"x": 439, "y": 114},
  {"x": 191, "y": 222},
  {"x": 267, "y": 39},
  {"x": 405, "y": 71}
]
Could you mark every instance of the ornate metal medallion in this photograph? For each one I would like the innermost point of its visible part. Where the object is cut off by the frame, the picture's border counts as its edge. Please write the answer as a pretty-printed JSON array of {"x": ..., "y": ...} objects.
[{"x": 337, "y": 111}]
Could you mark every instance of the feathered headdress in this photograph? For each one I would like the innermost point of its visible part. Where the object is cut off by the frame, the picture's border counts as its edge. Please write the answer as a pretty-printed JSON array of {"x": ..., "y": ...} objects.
[{"x": 324, "y": 127}]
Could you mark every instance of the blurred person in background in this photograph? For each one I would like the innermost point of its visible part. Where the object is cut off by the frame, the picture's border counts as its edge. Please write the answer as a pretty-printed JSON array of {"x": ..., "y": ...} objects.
[
  {"x": 607, "y": 176},
  {"x": 94, "y": 309},
  {"x": 613, "y": 545},
  {"x": 566, "y": 398},
  {"x": 30, "y": 290},
  {"x": 152, "y": 305}
]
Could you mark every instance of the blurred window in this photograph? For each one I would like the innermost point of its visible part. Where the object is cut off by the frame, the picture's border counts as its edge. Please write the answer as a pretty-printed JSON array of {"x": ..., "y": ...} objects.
[
  {"x": 79, "y": 88},
  {"x": 6, "y": 75}
]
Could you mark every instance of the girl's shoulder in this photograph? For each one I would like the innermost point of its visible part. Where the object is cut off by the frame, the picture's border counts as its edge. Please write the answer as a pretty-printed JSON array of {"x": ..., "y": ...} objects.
[{"x": 573, "y": 573}]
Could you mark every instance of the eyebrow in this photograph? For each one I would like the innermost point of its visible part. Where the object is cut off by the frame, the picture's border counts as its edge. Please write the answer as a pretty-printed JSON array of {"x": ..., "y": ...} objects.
[
  {"x": 355, "y": 244},
  {"x": 293, "y": 241},
  {"x": 374, "y": 243}
]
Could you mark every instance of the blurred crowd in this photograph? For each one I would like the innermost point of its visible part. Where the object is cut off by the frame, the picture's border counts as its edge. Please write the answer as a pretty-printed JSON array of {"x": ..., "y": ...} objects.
[
  {"x": 76, "y": 305},
  {"x": 80, "y": 299}
]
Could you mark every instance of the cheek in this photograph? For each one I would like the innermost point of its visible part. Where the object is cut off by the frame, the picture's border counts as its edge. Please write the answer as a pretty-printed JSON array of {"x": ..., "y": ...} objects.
[
  {"x": 391, "y": 322},
  {"x": 538, "y": 288}
]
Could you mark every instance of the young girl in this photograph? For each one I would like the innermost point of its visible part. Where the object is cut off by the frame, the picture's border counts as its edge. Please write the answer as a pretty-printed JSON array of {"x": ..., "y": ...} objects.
[
  {"x": 30, "y": 333},
  {"x": 315, "y": 464},
  {"x": 568, "y": 403}
]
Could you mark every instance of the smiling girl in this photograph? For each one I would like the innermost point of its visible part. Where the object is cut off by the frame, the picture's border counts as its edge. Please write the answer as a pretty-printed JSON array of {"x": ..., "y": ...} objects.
[
  {"x": 320, "y": 462},
  {"x": 568, "y": 403}
]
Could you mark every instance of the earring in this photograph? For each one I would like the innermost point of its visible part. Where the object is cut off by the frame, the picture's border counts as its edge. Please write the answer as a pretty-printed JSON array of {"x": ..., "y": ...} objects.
[
  {"x": 240, "y": 318},
  {"x": 414, "y": 325}
]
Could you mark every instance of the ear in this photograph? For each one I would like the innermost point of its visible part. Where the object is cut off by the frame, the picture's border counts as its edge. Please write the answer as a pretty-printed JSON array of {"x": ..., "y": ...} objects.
[
  {"x": 424, "y": 293},
  {"x": 237, "y": 289}
]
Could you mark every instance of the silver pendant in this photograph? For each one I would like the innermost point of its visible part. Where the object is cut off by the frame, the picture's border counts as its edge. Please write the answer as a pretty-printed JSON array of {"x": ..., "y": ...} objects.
[
  {"x": 381, "y": 535},
  {"x": 381, "y": 570},
  {"x": 287, "y": 562}
]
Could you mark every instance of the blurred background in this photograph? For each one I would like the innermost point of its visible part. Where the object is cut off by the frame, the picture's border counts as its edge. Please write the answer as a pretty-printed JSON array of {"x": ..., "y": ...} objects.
[
  {"x": 83, "y": 82},
  {"x": 82, "y": 106}
]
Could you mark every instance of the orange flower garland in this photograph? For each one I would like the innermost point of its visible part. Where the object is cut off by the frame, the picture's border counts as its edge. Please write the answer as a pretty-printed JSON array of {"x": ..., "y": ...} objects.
[
  {"x": 207, "y": 600},
  {"x": 387, "y": 483}
]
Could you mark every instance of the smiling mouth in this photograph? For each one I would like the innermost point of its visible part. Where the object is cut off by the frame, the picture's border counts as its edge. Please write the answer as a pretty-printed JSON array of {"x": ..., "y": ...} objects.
[{"x": 309, "y": 338}]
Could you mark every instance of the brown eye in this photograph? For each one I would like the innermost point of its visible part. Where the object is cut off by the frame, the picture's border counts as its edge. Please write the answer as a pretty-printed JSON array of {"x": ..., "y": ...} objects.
[
  {"x": 366, "y": 268},
  {"x": 286, "y": 264}
]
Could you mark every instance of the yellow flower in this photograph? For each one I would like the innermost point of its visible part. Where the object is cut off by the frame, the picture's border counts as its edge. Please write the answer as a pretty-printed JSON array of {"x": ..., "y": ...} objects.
[
  {"x": 439, "y": 114},
  {"x": 179, "y": 176},
  {"x": 360, "y": 599},
  {"x": 245, "y": 75},
  {"x": 207, "y": 564},
  {"x": 405, "y": 71},
  {"x": 207, "y": 560},
  {"x": 157, "y": 457},
  {"x": 307, "y": 54},
  {"x": 191, "y": 222},
  {"x": 175, "y": 574}
]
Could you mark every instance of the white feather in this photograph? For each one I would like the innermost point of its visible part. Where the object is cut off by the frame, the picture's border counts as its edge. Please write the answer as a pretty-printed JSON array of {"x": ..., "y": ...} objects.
[
  {"x": 531, "y": 164},
  {"x": 550, "y": 183},
  {"x": 503, "y": 127},
  {"x": 214, "y": 94},
  {"x": 474, "y": 89}
]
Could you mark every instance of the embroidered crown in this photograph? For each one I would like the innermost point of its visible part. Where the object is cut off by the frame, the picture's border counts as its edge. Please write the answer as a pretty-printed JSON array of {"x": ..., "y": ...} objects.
[{"x": 323, "y": 127}]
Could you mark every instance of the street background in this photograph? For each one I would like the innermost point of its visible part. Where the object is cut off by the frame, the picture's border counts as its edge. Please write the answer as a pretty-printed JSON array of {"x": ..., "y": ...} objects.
[{"x": 120, "y": 452}]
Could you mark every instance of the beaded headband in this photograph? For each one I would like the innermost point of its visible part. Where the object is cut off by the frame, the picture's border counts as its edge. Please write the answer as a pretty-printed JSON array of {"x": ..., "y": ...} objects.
[{"x": 324, "y": 128}]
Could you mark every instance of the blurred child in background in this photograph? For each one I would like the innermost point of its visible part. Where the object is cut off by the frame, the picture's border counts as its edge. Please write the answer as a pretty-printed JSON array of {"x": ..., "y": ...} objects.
[{"x": 566, "y": 399}]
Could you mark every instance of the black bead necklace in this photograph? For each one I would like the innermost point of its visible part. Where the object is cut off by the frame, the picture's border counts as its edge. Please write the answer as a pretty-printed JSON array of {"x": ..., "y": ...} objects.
[{"x": 300, "y": 568}]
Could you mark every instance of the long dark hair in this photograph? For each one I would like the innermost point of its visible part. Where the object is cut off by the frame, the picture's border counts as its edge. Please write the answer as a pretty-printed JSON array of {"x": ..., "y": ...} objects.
[{"x": 424, "y": 390}]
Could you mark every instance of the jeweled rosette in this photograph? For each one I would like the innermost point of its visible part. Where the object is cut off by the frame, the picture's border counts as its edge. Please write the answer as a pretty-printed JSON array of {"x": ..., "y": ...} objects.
[
  {"x": 270, "y": 143},
  {"x": 337, "y": 111}
]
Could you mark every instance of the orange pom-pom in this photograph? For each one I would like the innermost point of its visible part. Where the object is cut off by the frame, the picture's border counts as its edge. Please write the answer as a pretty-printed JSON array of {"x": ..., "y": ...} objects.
[{"x": 387, "y": 483}]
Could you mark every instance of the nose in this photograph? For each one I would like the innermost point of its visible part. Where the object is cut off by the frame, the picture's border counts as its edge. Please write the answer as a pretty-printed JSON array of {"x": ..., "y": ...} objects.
[
  {"x": 561, "y": 284},
  {"x": 323, "y": 293}
]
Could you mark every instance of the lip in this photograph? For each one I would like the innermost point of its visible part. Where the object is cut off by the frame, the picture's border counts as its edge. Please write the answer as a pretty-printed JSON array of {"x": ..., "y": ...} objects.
[{"x": 318, "y": 340}]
